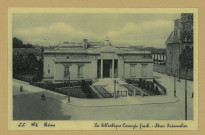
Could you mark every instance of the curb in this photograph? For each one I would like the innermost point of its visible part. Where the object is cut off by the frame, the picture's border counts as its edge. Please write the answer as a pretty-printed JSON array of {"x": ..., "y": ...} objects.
[{"x": 125, "y": 104}]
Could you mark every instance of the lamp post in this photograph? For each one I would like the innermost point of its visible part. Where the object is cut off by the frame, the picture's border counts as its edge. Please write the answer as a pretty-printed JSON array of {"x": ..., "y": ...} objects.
[
  {"x": 175, "y": 83},
  {"x": 186, "y": 94},
  {"x": 69, "y": 77},
  {"x": 179, "y": 72},
  {"x": 114, "y": 88}
]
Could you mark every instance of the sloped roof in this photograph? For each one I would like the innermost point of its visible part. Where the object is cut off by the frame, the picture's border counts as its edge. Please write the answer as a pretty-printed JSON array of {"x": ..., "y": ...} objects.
[
  {"x": 98, "y": 50},
  {"x": 107, "y": 48},
  {"x": 173, "y": 38},
  {"x": 65, "y": 50}
]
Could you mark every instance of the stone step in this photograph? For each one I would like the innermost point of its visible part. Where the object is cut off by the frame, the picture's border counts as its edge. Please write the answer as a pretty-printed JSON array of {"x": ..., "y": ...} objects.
[
  {"x": 96, "y": 92},
  {"x": 109, "y": 81}
]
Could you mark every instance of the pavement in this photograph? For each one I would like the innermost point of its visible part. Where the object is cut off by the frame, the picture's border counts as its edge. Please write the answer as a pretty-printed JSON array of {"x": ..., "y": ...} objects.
[
  {"x": 27, "y": 105},
  {"x": 28, "y": 89},
  {"x": 120, "y": 101}
]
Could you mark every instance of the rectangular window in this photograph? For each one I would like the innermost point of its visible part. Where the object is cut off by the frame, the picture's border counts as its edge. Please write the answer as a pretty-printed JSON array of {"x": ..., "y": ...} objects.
[
  {"x": 132, "y": 70},
  {"x": 80, "y": 71},
  {"x": 66, "y": 71},
  {"x": 144, "y": 70},
  {"x": 48, "y": 68}
]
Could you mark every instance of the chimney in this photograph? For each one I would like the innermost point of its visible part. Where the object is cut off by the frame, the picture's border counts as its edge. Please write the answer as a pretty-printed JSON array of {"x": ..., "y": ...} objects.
[
  {"x": 107, "y": 42},
  {"x": 85, "y": 43},
  {"x": 177, "y": 23},
  {"x": 177, "y": 29}
]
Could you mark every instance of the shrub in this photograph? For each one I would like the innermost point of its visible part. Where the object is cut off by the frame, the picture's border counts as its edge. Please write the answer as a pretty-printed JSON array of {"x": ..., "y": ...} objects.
[
  {"x": 148, "y": 86},
  {"x": 140, "y": 83},
  {"x": 144, "y": 84},
  {"x": 152, "y": 87},
  {"x": 156, "y": 90}
]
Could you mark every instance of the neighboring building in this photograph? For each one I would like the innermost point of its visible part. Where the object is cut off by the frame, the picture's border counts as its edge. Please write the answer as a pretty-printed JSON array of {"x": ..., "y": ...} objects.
[
  {"x": 96, "y": 60},
  {"x": 159, "y": 57},
  {"x": 179, "y": 39}
]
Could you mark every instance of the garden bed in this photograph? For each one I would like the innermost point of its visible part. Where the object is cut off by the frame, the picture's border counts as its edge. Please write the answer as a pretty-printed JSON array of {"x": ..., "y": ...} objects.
[
  {"x": 77, "y": 92},
  {"x": 153, "y": 88}
]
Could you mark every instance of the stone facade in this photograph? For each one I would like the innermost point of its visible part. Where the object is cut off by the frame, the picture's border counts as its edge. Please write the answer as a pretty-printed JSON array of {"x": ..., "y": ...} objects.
[
  {"x": 88, "y": 63},
  {"x": 179, "y": 39}
]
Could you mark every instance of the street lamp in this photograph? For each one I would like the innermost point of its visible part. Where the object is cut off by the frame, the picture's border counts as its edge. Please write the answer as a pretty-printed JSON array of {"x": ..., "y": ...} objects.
[
  {"x": 179, "y": 72},
  {"x": 175, "y": 83},
  {"x": 69, "y": 77},
  {"x": 115, "y": 88},
  {"x": 186, "y": 94}
]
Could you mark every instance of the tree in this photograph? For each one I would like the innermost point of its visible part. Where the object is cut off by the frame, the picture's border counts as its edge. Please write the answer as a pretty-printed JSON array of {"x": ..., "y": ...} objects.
[
  {"x": 186, "y": 61},
  {"x": 140, "y": 82},
  {"x": 40, "y": 68},
  {"x": 17, "y": 43},
  {"x": 152, "y": 87},
  {"x": 148, "y": 86}
]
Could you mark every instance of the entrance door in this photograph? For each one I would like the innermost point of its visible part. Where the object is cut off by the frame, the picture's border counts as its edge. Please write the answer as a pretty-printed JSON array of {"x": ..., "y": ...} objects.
[{"x": 107, "y": 68}]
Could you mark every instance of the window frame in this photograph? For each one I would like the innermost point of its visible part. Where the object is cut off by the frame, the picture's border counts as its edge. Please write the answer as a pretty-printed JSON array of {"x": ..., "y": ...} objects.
[
  {"x": 135, "y": 72},
  {"x": 144, "y": 66},
  {"x": 66, "y": 74},
  {"x": 79, "y": 74}
]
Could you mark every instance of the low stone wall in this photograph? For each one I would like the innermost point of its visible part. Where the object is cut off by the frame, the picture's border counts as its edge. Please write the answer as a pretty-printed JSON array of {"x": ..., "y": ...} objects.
[
  {"x": 170, "y": 71},
  {"x": 159, "y": 68}
]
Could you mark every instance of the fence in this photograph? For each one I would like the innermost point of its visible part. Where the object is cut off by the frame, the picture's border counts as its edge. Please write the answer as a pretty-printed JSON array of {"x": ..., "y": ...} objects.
[
  {"x": 26, "y": 78},
  {"x": 159, "y": 68},
  {"x": 160, "y": 86},
  {"x": 90, "y": 94},
  {"x": 120, "y": 94}
]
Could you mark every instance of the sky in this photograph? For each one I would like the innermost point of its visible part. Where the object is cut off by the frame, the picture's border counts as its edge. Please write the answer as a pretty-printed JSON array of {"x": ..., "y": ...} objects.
[{"x": 124, "y": 28}]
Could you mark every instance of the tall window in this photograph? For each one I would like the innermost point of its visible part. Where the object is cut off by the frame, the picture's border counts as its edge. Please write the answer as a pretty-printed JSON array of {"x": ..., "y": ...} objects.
[
  {"x": 144, "y": 70},
  {"x": 132, "y": 70},
  {"x": 80, "y": 71},
  {"x": 66, "y": 71},
  {"x": 48, "y": 68}
]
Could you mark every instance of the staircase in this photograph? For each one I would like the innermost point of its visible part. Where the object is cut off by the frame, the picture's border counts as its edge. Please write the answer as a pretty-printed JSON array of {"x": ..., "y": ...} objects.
[
  {"x": 109, "y": 81},
  {"x": 136, "y": 90},
  {"x": 104, "y": 88}
]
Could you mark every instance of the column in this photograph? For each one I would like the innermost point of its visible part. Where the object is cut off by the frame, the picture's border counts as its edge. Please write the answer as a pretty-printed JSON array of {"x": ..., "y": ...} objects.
[
  {"x": 101, "y": 76},
  {"x": 113, "y": 64},
  {"x": 123, "y": 67}
]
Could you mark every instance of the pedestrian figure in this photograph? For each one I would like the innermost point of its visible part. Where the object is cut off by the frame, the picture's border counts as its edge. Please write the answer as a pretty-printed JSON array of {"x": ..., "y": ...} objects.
[
  {"x": 192, "y": 95},
  {"x": 21, "y": 88},
  {"x": 43, "y": 97},
  {"x": 68, "y": 97},
  {"x": 142, "y": 94}
]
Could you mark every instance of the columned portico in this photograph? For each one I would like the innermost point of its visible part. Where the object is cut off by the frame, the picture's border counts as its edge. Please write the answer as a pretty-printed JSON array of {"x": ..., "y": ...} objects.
[
  {"x": 113, "y": 67},
  {"x": 107, "y": 68},
  {"x": 101, "y": 72}
]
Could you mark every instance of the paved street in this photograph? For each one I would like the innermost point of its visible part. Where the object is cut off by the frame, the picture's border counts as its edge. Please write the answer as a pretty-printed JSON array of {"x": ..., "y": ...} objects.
[{"x": 27, "y": 105}]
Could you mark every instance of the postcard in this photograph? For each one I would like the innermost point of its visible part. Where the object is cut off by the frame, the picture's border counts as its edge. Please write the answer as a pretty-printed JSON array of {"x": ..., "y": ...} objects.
[{"x": 102, "y": 69}]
